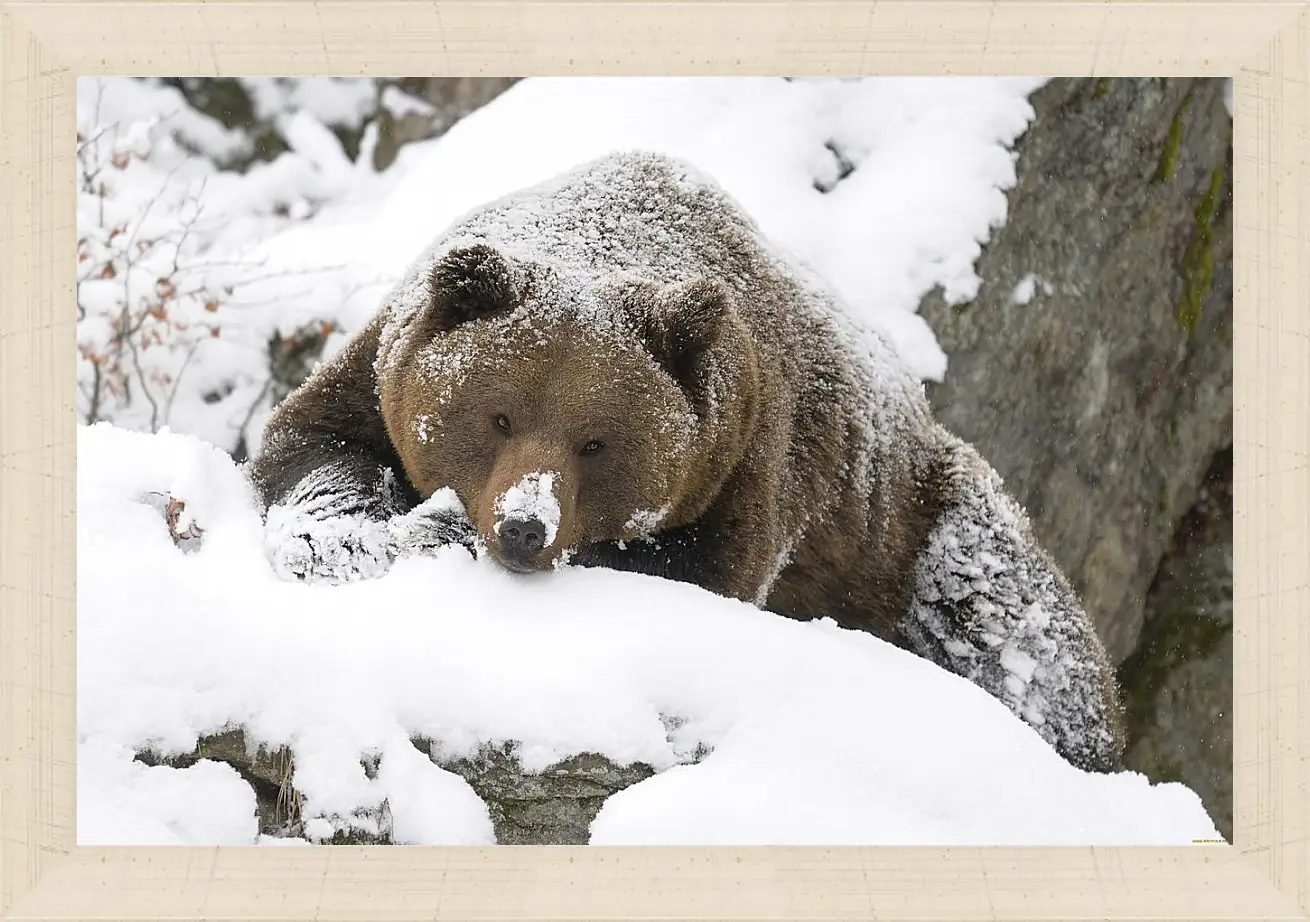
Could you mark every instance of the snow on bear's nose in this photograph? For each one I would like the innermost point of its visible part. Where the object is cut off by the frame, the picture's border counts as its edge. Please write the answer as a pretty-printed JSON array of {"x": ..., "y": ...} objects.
[{"x": 527, "y": 516}]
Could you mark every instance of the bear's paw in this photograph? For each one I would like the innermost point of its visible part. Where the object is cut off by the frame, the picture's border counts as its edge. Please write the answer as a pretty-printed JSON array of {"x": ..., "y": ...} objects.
[{"x": 328, "y": 550}]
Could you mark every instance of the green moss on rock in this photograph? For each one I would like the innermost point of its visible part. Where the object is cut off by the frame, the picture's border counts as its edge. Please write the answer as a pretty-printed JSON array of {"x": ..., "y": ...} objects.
[
  {"x": 1180, "y": 636},
  {"x": 1173, "y": 141},
  {"x": 1197, "y": 264}
]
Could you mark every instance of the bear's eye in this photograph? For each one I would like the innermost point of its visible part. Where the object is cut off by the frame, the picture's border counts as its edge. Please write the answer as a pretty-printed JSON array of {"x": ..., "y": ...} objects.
[
  {"x": 592, "y": 447},
  {"x": 502, "y": 423}
]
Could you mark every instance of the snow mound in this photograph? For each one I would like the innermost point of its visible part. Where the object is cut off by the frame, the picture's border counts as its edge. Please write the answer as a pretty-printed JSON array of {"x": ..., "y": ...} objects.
[{"x": 816, "y": 735}]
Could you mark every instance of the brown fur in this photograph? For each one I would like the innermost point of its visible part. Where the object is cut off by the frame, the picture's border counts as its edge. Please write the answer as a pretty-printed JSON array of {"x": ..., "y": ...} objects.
[
  {"x": 772, "y": 494},
  {"x": 733, "y": 492}
]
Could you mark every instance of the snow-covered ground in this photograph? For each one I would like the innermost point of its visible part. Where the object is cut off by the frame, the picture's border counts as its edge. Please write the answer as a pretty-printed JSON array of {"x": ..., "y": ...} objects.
[
  {"x": 886, "y": 187},
  {"x": 817, "y": 735}
]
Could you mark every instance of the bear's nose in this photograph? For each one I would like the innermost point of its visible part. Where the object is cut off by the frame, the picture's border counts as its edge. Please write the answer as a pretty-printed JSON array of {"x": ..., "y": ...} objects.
[{"x": 521, "y": 539}]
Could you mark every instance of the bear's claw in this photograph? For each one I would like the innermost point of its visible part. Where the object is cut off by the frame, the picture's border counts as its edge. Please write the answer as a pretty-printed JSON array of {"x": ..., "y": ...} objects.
[{"x": 416, "y": 532}]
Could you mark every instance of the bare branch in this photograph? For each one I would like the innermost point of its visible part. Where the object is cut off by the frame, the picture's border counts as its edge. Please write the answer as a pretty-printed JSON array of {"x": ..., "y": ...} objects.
[
  {"x": 254, "y": 405},
  {"x": 172, "y": 393}
]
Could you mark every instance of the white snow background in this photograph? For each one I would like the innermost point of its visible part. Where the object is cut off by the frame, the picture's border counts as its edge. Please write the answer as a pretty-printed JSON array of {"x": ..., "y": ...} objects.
[{"x": 817, "y": 735}]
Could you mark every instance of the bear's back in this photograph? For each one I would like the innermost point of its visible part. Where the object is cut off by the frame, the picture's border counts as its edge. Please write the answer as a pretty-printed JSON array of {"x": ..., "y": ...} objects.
[
  {"x": 643, "y": 213},
  {"x": 658, "y": 217}
]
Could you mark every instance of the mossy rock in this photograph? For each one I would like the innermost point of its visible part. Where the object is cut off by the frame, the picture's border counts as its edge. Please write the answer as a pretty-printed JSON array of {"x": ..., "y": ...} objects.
[
  {"x": 1178, "y": 684},
  {"x": 1102, "y": 400},
  {"x": 551, "y": 807}
]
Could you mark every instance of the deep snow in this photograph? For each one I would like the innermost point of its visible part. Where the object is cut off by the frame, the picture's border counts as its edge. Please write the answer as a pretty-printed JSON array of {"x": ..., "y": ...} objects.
[{"x": 818, "y": 735}]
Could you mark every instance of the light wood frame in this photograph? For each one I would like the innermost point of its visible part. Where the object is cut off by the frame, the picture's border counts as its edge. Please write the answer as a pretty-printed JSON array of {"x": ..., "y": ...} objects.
[{"x": 45, "y": 46}]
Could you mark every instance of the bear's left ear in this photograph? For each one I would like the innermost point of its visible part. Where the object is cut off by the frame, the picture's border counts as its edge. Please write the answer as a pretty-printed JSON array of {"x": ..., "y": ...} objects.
[
  {"x": 468, "y": 283},
  {"x": 685, "y": 321}
]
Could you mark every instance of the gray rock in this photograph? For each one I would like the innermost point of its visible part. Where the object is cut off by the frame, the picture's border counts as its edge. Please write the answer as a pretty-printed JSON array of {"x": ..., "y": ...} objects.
[
  {"x": 551, "y": 807},
  {"x": 1178, "y": 685},
  {"x": 292, "y": 358},
  {"x": 555, "y": 807},
  {"x": 1102, "y": 398},
  {"x": 267, "y": 771},
  {"x": 227, "y": 101},
  {"x": 451, "y": 98}
]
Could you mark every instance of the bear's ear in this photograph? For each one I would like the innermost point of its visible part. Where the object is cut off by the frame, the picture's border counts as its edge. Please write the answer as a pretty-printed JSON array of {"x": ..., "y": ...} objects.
[
  {"x": 468, "y": 283},
  {"x": 684, "y": 323}
]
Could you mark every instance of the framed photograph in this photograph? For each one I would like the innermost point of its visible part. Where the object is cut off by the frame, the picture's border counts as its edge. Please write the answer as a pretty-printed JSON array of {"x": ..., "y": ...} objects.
[{"x": 795, "y": 460}]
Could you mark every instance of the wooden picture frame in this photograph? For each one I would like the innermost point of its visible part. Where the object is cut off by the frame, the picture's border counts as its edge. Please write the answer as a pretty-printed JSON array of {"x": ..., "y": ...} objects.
[{"x": 45, "y": 46}]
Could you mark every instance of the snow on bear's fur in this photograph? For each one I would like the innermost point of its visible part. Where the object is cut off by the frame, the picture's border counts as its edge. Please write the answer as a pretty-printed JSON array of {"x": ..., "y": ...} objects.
[{"x": 627, "y": 328}]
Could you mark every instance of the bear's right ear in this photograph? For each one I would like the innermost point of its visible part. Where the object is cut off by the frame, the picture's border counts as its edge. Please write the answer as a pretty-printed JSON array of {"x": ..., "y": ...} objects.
[
  {"x": 684, "y": 323},
  {"x": 468, "y": 283}
]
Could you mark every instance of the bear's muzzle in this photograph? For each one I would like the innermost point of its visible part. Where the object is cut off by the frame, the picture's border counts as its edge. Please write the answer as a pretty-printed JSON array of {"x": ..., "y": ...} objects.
[{"x": 521, "y": 540}]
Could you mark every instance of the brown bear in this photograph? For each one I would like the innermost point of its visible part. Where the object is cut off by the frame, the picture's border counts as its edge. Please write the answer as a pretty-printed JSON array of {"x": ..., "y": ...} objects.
[{"x": 615, "y": 368}]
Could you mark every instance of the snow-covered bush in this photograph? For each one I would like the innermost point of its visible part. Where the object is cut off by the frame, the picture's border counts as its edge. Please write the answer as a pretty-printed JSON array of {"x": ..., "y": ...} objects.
[{"x": 175, "y": 311}]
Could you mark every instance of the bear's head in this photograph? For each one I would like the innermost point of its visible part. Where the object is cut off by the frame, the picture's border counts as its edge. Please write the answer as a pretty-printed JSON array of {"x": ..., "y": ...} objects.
[{"x": 567, "y": 410}]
